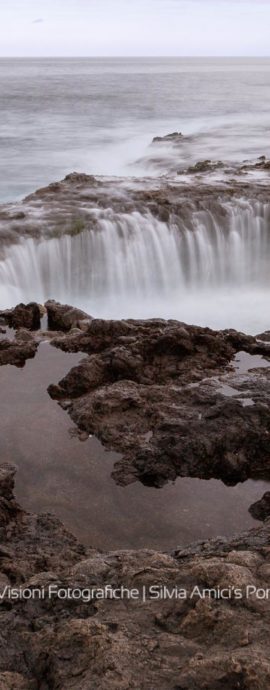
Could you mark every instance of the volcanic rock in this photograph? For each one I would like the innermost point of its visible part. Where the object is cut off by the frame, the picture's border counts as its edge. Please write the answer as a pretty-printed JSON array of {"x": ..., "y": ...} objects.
[
  {"x": 63, "y": 317},
  {"x": 75, "y": 204},
  {"x": 139, "y": 376},
  {"x": 264, "y": 336},
  {"x": 203, "y": 166},
  {"x": 16, "y": 351},
  {"x": 156, "y": 392},
  {"x": 174, "y": 138},
  {"x": 23, "y": 316},
  {"x": 261, "y": 164},
  {"x": 199, "y": 640},
  {"x": 261, "y": 509}
]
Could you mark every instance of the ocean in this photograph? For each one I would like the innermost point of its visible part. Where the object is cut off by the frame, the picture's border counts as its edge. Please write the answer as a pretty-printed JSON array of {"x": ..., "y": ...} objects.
[{"x": 100, "y": 115}]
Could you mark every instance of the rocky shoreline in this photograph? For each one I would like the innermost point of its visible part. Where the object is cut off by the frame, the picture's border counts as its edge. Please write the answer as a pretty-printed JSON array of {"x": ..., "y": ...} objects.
[
  {"x": 174, "y": 400},
  {"x": 79, "y": 201}
]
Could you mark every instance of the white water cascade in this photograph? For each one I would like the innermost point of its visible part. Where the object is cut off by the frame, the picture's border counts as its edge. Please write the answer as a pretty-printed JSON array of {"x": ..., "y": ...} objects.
[{"x": 210, "y": 270}]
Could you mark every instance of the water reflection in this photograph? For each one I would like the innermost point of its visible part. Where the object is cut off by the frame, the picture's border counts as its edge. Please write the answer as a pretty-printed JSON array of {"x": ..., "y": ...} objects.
[{"x": 57, "y": 472}]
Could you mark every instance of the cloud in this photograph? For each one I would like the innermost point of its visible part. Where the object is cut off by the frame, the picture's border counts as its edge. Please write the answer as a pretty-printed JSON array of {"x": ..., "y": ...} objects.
[{"x": 37, "y": 21}]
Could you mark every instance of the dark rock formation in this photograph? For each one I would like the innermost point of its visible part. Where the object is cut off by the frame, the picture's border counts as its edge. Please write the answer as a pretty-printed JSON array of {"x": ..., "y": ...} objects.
[
  {"x": 69, "y": 207},
  {"x": 156, "y": 391},
  {"x": 173, "y": 138},
  {"x": 17, "y": 350},
  {"x": 199, "y": 640},
  {"x": 79, "y": 179},
  {"x": 261, "y": 509},
  {"x": 23, "y": 316},
  {"x": 261, "y": 164},
  {"x": 203, "y": 166},
  {"x": 264, "y": 336},
  {"x": 206, "y": 622},
  {"x": 30, "y": 542},
  {"x": 63, "y": 317}
]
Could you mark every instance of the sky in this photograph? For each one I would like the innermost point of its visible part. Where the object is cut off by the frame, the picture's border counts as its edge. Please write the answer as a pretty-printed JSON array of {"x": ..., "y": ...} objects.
[{"x": 134, "y": 27}]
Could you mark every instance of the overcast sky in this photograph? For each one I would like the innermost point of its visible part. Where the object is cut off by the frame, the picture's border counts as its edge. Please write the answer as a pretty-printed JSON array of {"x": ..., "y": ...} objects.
[{"x": 134, "y": 27}]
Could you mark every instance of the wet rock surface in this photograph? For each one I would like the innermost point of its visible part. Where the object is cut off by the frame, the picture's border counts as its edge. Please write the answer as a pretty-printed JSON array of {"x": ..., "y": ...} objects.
[
  {"x": 17, "y": 340},
  {"x": 174, "y": 138},
  {"x": 63, "y": 317},
  {"x": 261, "y": 164},
  {"x": 18, "y": 349},
  {"x": 261, "y": 509},
  {"x": 23, "y": 316},
  {"x": 204, "y": 166},
  {"x": 170, "y": 399},
  {"x": 78, "y": 203},
  {"x": 186, "y": 643}
]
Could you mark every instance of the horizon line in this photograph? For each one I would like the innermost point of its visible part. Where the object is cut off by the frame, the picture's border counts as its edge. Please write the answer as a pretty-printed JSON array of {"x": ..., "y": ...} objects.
[{"x": 134, "y": 57}]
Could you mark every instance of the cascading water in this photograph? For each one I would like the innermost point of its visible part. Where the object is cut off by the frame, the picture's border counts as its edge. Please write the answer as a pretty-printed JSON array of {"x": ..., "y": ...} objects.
[{"x": 210, "y": 269}]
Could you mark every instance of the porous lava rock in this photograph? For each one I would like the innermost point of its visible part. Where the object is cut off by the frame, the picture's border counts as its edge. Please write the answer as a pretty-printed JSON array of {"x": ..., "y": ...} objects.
[
  {"x": 188, "y": 641},
  {"x": 23, "y": 316},
  {"x": 63, "y": 317},
  {"x": 156, "y": 391}
]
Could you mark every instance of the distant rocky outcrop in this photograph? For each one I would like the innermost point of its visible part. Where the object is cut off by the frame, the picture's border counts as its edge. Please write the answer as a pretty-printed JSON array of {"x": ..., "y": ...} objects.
[
  {"x": 261, "y": 164},
  {"x": 202, "y": 167},
  {"x": 173, "y": 138}
]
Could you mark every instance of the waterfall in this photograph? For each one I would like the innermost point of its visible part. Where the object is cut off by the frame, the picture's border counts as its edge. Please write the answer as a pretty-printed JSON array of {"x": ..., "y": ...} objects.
[{"x": 134, "y": 264}]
